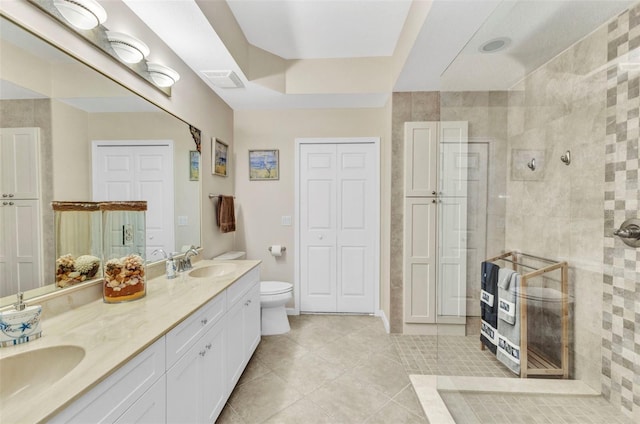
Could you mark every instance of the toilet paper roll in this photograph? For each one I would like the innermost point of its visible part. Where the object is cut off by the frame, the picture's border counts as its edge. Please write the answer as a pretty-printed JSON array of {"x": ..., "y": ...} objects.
[{"x": 276, "y": 250}]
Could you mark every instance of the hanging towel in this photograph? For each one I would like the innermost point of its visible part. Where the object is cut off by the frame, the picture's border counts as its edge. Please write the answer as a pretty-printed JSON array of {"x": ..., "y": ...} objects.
[
  {"x": 225, "y": 214},
  {"x": 488, "y": 305},
  {"x": 509, "y": 320}
]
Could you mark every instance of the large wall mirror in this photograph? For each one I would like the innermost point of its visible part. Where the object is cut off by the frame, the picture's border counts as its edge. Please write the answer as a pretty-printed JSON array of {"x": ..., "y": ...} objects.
[{"x": 69, "y": 108}]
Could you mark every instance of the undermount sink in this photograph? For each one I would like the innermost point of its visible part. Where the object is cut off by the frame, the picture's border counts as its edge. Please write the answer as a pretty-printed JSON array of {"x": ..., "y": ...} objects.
[
  {"x": 36, "y": 369},
  {"x": 213, "y": 271}
]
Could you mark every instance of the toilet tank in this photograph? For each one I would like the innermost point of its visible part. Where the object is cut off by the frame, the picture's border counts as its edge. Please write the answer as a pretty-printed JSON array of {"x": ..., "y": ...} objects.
[{"x": 230, "y": 256}]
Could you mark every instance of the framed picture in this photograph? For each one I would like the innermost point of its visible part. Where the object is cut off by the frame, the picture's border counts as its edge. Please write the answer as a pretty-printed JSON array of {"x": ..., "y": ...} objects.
[
  {"x": 220, "y": 159},
  {"x": 194, "y": 165},
  {"x": 264, "y": 165}
]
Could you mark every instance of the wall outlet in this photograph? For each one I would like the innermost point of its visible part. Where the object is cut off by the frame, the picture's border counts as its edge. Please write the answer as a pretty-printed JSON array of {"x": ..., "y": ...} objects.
[
  {"x": 286, "y": 220},
  {"x": 183, "y": 221}
]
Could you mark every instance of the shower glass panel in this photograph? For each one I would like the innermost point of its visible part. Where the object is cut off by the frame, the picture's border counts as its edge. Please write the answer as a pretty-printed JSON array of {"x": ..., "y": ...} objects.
[
  {"x": 452, "y": 222},
  {"x": 533, "y": 80}
]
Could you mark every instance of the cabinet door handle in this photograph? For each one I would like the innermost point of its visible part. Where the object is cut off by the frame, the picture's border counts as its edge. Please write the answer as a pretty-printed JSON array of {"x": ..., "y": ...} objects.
[
  {"x": 202, "y": 353},
  {"x": 4, "y": 195},
  {"x": 204, "y": 321},
  {"x": 208, "y": 346},
  {"x": 5, "y": 203},
  {"x": 11, "y": 203},
  {"x": 433, "y": 193},
  {"x": 10, "y": 195}
]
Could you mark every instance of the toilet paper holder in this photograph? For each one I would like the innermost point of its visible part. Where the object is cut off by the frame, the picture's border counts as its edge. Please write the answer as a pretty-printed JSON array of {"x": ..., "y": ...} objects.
[{"x": 284, "y": 249}]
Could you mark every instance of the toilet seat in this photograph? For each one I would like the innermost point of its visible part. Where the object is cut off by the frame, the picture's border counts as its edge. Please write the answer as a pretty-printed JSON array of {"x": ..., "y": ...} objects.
[{"x": 275, "y": 287}]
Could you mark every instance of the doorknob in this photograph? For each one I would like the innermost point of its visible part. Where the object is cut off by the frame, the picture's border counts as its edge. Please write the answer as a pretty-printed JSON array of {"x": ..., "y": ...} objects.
[{"x": 320, "y": 237}]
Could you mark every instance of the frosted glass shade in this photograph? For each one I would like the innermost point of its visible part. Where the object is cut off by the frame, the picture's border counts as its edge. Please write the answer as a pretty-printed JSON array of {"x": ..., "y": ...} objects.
[
  {"x": 163, "y": 76},
  {"x": 129, "y": 49},
  {"x": 82, "y": 14}
]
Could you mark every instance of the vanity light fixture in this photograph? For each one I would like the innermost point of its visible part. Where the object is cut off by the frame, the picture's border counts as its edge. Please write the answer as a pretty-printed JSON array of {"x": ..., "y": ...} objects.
[
  {"x": 163, "y": 76},
  {"x": 82, "y": 14},
  {"x": 128, "y": 48}
]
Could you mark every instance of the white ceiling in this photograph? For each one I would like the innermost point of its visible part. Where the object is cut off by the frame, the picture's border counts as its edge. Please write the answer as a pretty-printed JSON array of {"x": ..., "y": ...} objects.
[
  {"x": 443, "y": 57},
  {"x": 315, "y": 29}
]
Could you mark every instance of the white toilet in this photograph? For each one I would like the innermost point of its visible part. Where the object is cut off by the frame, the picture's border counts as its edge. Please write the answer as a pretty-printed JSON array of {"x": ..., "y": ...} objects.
[{"x": 274, "y": 295}]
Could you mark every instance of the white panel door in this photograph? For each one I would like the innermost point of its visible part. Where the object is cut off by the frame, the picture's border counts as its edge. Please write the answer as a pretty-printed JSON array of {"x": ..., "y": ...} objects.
[
  {"x": 452, "y": 218},
  {"x": 420, "y": 150},
  {"x": 20, "y": 258},
  {"x": 135, "y": 171},
  {"x": 420, "y": 260},
  {"x": 338, "y": 227},
  {"x": 477, "y": 185},
  {"x": 19, "y": 163},
  {"x": 356, "y": 227},
  {"x": 318, "y": 210}
]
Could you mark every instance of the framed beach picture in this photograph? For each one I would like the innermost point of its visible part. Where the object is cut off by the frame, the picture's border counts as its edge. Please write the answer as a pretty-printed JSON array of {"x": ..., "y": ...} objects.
[
  {"x": 264, "y": 165},
  {"x": 220, "y": 159},
  {"x": 194, "y": 165}
]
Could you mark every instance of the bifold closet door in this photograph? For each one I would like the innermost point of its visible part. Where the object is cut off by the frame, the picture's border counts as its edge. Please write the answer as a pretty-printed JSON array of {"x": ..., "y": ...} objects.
[
  {"x": 142, "y": 171},
  {"x": 337, "y": 222}
]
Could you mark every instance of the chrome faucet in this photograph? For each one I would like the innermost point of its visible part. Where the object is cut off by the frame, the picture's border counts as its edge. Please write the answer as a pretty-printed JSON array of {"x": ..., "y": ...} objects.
[{"x": 185, "y": 263}]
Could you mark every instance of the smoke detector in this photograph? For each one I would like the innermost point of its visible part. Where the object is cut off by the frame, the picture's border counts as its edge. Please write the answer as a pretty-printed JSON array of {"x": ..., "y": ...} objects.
[{"x": 223, "y": 79}]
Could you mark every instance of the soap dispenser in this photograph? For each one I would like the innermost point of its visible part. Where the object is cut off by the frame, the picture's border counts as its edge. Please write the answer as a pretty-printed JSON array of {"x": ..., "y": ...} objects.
[{"x": 21, "y": 324}]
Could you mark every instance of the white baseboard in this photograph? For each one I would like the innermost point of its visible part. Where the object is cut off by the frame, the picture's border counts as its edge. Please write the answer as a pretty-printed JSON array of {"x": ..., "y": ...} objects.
[{"x": 380, "y": 313}]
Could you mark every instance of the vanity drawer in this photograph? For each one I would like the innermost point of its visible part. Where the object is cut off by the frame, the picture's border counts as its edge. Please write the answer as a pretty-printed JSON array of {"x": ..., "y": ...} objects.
[
  {"x": 240, "y": 287},
  {"x": 118, "y": 392},
  {"x": 182, "y": 337}
]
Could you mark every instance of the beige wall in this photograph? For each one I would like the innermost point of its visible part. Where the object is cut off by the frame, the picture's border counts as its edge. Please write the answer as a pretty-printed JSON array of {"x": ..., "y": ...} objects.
[
  {"x": 71, "y": 153},
  {"x": 261, "y": 204}
]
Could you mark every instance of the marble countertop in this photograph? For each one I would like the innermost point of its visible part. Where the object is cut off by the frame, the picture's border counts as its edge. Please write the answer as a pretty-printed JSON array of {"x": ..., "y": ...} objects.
[{"x": 111, "y": 335}]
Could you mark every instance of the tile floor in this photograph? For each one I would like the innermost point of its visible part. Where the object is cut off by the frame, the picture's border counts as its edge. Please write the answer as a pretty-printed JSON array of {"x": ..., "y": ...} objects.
[
  {"x": 328, "y": 369},
  {"x": 347, "y": 370}
]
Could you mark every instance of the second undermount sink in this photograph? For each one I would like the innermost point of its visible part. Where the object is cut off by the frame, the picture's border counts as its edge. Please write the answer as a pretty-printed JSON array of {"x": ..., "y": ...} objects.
[
  {"x": 213, "y": 271},
  {"x": 37, "y": 369}
]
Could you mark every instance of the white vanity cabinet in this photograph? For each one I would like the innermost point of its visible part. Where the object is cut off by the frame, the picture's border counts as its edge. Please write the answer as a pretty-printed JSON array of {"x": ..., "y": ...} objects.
[
  {"x": 196, "y": 384},
  {"x": 243, "y": 333},
  {"x": 114, "y": 396},
  {"x": 150, "y": 408},
  {"x": 188, "y": 374}
]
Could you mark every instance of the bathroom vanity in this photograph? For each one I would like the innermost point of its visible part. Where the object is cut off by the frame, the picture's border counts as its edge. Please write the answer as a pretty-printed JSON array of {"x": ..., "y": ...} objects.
[{"x": 174, "y": 356}]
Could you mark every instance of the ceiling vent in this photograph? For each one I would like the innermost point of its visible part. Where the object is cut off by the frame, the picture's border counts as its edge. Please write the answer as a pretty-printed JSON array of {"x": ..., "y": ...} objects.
[{"x": 223, "y": 79}]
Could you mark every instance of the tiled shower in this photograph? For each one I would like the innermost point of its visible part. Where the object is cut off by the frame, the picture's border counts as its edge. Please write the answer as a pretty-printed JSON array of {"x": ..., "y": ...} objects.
[{"x": 586, "y": 100}]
